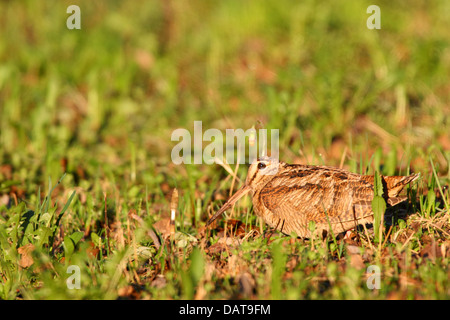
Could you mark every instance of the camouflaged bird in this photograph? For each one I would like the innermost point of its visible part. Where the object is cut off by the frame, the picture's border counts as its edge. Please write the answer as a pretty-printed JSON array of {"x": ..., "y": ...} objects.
[{"x": 289, "y": 196}]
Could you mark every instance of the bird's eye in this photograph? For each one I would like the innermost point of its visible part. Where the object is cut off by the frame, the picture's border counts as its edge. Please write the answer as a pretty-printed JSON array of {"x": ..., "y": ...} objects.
[{"x": 261, "y": 165}]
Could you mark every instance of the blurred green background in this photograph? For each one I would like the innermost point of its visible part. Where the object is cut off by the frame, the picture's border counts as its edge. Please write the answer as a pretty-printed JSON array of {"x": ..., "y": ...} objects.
[
  {"x": 101, "y": 103},
  {"x": 118, "y": 87}
]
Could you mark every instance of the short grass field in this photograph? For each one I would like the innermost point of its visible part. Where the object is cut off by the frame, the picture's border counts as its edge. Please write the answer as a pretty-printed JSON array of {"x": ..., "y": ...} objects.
[{"x": 86, "y": 174}]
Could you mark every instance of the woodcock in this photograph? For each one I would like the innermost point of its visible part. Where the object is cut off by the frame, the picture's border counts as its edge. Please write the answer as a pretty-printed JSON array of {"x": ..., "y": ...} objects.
[{"x": 289, "y": 196}]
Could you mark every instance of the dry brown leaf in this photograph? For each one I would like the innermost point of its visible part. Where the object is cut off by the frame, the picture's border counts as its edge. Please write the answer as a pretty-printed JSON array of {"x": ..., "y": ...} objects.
[
  {"x": 144, "y": 59},
  {"x": 431, "y": 251},
  {"x": 229, "y": 241},
  {"x": 357, "y": 262},
  {"x": 246, "y": 285},
  {"x": 236, "y": 265},
  {"x": 4, "y": 199},
  {"x": 129, "y": 292},
  {"x": 352, "y": 249},
  {"x": 216, "y": 248},
  {"x": 6, "y": 171},
  {"x": 163, "y": 226},
  {"x": 26, "y": 259},
  {"x": 159, "y": 282},
  {"x": 93, "y": 250}
]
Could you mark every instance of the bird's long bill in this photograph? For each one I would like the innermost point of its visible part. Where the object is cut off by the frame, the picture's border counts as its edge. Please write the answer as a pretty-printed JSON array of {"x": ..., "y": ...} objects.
[{"x": 235, "y": 197}]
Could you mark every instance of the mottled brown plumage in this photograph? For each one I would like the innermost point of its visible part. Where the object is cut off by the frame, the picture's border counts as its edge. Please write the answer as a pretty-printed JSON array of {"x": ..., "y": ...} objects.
[{"x": 289, "y": 196}]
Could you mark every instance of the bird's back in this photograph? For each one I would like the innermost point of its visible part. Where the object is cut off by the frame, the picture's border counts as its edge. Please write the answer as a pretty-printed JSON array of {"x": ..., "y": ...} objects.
[{"x": 327, "y": 196}]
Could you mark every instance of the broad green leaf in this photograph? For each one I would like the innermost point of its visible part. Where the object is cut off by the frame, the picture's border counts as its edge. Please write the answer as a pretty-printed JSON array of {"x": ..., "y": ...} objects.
[
  {"x": 197, "y": 265},
  {"x": 69, "y": 246},
  {"x": 431, "y": 199},
  {"x": 378, "y": 207},
  {"x": 95, "y": 238},
  {"x": 377, "y": 184},
  {"x": 76, "y": 237}
]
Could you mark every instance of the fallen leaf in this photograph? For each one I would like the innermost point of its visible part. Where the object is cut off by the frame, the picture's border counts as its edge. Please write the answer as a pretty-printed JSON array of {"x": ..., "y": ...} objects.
[
  {"x": 129, "y": 292},
  {"x": 6, "y": 171},
  {"x": 431, "y": 251},
  {"x": 357, "y": 262},
  {"x": 159, "y": 282},
  {"x": 216, "y": 248},
  {"x": 229, "y": 241},
  {"x": 352, "y": 249},
  {"x": 144, "y": 59},
  {"x": 25, "y": 259},
  {"x": 4, "y": 199},
  {"x": 246, "y": 285},
  {"x": 93, "y": 250},
  {"x": 163, "y": 226}
]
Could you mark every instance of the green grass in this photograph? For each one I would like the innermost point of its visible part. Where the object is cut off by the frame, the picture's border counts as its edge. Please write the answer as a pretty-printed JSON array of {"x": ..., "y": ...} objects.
[{"x": 95, "y": 108}]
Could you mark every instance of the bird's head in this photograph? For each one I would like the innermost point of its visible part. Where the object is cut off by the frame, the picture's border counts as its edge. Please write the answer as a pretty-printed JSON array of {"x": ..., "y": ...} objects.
[{"x": 260, "y": 172}]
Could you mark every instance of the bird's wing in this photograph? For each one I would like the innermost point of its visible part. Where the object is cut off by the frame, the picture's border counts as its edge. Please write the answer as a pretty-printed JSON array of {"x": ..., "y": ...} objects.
[{"x": 324, "y": 196}]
